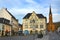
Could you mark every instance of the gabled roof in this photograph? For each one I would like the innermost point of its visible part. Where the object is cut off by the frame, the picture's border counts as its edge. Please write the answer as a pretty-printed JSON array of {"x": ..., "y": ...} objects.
[
  {"x": 38, "y": 15},
  {"x": 27, "y": 16}
]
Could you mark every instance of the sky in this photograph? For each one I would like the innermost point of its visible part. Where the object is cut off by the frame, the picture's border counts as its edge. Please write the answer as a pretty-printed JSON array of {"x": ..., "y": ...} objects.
[{"x": 19, "y": 8}]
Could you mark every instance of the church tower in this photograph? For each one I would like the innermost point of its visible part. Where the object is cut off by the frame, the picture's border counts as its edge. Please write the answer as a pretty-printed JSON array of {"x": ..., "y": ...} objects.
[{"x": 51, "y": 26}]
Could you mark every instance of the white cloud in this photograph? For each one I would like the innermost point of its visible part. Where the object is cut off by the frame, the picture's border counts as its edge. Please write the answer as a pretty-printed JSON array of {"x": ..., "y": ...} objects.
[
  {"x": 30, "y": 1},
  {"x": 17, "y": 11},
  {"x": 56, "y": 17}
]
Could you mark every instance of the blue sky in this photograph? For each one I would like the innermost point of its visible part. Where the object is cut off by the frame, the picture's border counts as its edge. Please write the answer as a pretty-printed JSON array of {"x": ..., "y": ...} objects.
[{"x": 19, "y": 8}]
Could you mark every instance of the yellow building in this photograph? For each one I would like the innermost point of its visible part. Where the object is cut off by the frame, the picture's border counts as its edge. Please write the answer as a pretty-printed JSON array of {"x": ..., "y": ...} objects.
[
  {"x": 34, "y": 23},
  {"x": 7, "y": 22}
]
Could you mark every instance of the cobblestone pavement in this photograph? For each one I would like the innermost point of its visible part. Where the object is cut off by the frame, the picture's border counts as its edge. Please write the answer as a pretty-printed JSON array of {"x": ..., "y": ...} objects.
[
  {"x": 54, "y": 36},
  {"x": 18, "y": 38},
  {"x": 50, "y": 36}
]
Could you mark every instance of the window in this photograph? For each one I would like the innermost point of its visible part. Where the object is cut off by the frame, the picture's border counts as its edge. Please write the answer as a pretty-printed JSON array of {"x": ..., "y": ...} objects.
[
  {"x": 26, "y": 26},
  {"x": 41, "y": 26}
]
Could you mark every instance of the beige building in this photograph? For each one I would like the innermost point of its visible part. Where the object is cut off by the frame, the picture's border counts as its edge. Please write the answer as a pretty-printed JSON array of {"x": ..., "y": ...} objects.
[
  {"x": 7, "y": 22},
  {"x": 34, "y": 23}
]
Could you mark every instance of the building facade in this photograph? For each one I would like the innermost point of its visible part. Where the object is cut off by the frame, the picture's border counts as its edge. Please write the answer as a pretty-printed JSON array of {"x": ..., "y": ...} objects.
[
  {"x": 7, "y": 22},
  {"x": 34, "y": 23}
]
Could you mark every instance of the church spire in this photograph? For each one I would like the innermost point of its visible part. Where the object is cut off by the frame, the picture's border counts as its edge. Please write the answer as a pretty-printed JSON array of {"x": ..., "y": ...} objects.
[{"x": 50, "y": 12}]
